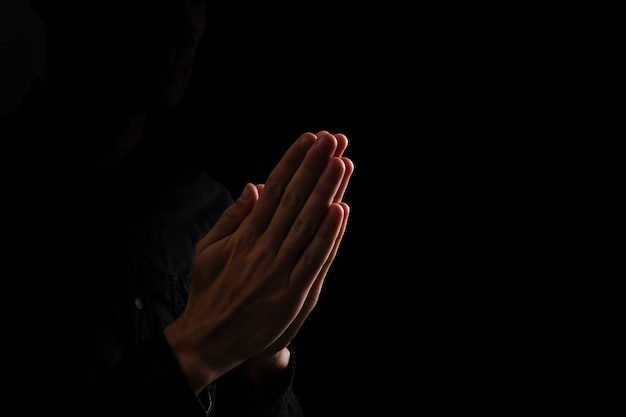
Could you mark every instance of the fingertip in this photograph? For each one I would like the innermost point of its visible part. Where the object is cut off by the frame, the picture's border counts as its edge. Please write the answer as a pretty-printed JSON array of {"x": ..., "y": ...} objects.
[
  {"x": 343, "y": 207},
  {"x": 248, "y": 193},
  {"x": 342, "y": 139},
  {"x": 307, "y": 140},
  {"x": 349, "y": 163},
  {"x": 340, "y": 209}
]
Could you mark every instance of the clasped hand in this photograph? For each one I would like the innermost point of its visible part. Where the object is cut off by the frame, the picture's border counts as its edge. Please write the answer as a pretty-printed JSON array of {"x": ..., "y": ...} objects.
[{"x": 259, "y": 271}]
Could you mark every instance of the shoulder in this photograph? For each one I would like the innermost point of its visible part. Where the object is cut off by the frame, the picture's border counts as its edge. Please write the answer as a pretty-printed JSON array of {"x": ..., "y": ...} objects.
[{"x": 196, "y": 185}]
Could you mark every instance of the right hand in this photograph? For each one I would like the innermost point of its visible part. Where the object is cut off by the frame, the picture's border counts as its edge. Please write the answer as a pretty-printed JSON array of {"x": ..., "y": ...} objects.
[{"x": 257, "y": 274}]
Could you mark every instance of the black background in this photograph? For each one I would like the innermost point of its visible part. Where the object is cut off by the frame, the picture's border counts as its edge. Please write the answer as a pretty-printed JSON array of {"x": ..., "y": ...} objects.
[
  {"x": 446, "y": 293},
  {"x": 386, "y": 334}
]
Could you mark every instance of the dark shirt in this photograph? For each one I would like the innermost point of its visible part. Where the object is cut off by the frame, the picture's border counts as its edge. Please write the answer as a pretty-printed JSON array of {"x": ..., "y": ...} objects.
[{"x": 105, "y": 264}]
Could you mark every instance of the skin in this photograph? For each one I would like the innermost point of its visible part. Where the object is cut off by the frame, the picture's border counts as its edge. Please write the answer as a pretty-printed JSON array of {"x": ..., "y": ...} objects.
[
  {"x": 259, "y": 272},
  {"x": 262, "y": 266}
]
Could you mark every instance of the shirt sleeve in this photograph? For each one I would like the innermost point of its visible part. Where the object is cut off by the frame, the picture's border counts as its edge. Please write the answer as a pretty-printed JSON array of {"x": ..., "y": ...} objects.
[
  {"x": 148, "y": 382},
  {"x": 235, "y": 395}
]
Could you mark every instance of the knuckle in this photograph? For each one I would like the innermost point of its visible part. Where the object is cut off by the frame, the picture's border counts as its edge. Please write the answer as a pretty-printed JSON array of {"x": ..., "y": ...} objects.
[
  {"x": 229, "y": 215},
  {"x": 291, "y": 200},
  {"x": 302, "y": 226}
]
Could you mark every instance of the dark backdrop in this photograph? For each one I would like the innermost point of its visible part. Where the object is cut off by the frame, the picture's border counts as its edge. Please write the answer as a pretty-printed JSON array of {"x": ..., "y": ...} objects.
[
  {"x": 439, "y": 296},
  {"x": 259, "y": 84},
  {"x": 443, "y": 296}
]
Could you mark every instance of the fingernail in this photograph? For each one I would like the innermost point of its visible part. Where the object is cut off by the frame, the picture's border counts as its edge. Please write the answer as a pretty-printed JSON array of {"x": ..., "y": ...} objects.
[
  {"x": 325, "y": 144},
  {"x": 306, "y": 141}
]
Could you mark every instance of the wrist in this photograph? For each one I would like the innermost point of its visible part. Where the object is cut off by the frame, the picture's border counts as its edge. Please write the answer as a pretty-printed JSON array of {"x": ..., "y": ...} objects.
[
  {"x": 263, "y": 368},
  {"x": 185, "y": 348}
]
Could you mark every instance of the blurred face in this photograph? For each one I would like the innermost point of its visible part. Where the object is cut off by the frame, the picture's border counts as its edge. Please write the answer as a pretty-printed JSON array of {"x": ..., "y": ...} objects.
[{"x": 135, "y": 55}]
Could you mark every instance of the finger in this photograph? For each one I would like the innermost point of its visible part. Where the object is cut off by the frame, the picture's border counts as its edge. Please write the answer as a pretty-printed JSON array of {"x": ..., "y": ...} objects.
[
  {"x": 232, "y": 217},
  {"x": 314, "y": 212},
  {"x": 334, "y": 225},
  {"x": 302, "y": 185},
  {"x": 303, "y": 269},
  {"x": 346, "y": 179},
  {"x": 304, "y": 265},
  {"x": 333, "y": 254},
  {"x": 342, "y": 141},
  {"x": 278, "y": 179},
  {"x": 342, "y": 144}
]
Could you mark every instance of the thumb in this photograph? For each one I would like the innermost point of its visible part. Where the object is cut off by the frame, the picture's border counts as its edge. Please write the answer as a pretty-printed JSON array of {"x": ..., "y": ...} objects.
[{"x": 232, "y": 217}]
